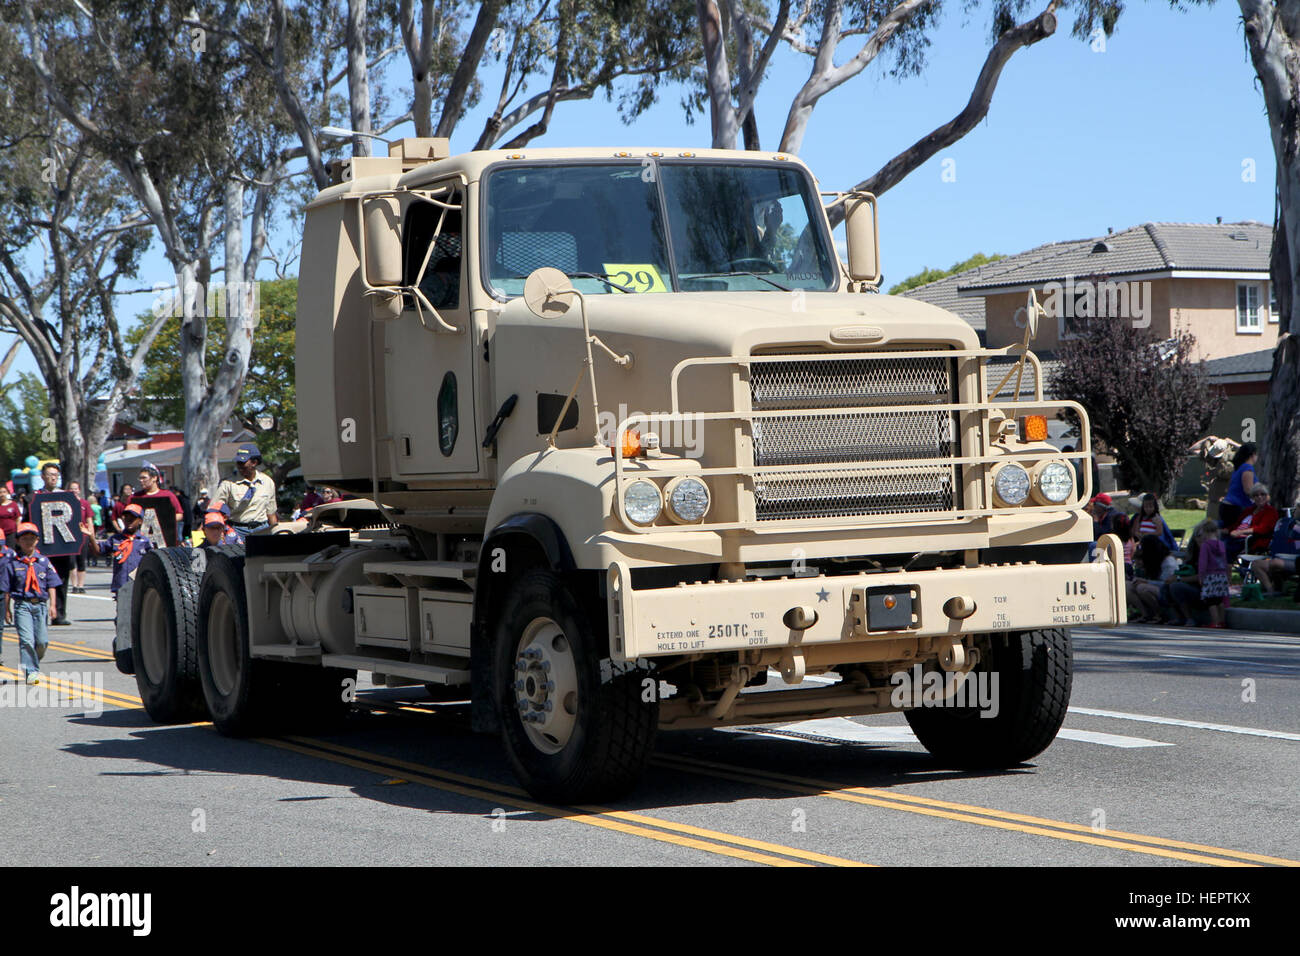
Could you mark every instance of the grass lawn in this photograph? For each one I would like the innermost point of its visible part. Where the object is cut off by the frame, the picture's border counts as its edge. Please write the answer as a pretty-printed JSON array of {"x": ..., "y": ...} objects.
[{"x": 1184, "y": 519}]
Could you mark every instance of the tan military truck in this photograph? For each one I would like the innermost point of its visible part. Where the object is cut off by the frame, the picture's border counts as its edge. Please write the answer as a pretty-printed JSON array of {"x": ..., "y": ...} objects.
[{"x": 633, "y": 441}]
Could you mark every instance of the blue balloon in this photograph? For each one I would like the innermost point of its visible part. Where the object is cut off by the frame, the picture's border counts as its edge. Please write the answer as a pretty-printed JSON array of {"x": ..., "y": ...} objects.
[{"x": 32, "y": 461}]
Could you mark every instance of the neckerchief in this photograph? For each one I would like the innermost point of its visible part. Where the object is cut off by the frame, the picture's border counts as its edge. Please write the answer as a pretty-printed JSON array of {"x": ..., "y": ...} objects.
[
  {"x": 32, "y": 583},
  {"x": 124, "y": 550}
]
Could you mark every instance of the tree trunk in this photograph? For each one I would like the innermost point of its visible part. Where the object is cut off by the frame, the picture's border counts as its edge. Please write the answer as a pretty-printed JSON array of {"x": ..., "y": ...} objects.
[
  {"x": 1273, "y": 38},
  {"x": 717, "y": 75},
  {"x": 358, "y": 77}
]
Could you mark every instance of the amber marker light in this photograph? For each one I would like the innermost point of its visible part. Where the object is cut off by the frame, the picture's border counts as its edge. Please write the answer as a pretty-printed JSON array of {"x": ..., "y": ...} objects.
[
  {"x": 630, "y": 446},
  {"x": 1033, "y": 428}
]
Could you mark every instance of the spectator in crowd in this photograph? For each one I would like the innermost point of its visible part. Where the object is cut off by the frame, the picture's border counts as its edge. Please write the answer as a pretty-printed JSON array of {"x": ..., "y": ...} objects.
[
  {"x": 126, "y": 548},
  {"x": 31, "y": 583},
  {"x": 1122, "y": 526},
  {"x": 77, "y": 584},
  {"x": 1103, "y": 515},
  {"x": 1282, "y": 551},
  {"x": 1182, "y": 592},
  {"x": 150, "y": 487},
  {"x": 123, "y": 499},
  {"x": 1254, "y": 530},
  {"x": 200, "y": 507},
  {"x": 251, "y": 496},
  {"x": 310, "y": 500},
  {"x": 1154, "y": 565},
  {"x": 216, "y": 531},
  {"x": 1237, "y": 498},
  {"x": 188, "y": 522},
  {"x": 1213, "y": 567},
  {"x": 98, "y": 523},
  {"x": 51, "y": 475},
  {"x": 11, "y": 512},
  {"x": 1149, "y": 521},
  {"x": 1217, "y": 454}
]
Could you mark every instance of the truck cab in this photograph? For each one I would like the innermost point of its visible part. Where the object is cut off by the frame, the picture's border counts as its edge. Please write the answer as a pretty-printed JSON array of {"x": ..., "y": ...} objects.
[{"x": 633, "y": 442}]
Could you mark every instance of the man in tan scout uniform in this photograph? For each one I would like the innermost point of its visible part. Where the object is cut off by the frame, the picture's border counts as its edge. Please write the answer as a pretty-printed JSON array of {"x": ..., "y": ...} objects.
[{"x": 251, "y": 496}]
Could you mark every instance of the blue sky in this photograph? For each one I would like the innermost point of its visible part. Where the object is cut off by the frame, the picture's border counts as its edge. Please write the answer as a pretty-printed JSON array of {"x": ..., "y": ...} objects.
[{"x": 1155, "y": 128}]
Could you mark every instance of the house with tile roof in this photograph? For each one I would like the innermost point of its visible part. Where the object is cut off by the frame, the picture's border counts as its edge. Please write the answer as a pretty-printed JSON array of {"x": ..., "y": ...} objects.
[{"x": 1210, "y": 279}]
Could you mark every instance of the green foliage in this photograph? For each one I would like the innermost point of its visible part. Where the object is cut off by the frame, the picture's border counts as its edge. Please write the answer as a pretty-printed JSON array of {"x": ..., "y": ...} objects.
[
  {"x": 268, "y": 388},
  {"x": 1147, "y": 400},
  {"x": 24, "y": 408},
  {"x": 928, "y": 275}
]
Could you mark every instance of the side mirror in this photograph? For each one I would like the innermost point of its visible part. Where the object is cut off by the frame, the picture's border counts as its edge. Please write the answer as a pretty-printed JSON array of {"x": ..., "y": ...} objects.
[
  {"x": 1032, "y": 312},
  {"x": 381, "y": 221},
  {"x": 862, "y": 233},
  {"x": 548, "y": 293}
]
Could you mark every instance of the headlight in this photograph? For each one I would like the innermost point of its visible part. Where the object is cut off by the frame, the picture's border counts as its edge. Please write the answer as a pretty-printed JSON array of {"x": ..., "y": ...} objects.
[
  {"x": 642, "y": 501},
  {"x": 1054, "y": 483},
  {"x": 688, "y": 499},
  {"x": 1011, "y": 484}
]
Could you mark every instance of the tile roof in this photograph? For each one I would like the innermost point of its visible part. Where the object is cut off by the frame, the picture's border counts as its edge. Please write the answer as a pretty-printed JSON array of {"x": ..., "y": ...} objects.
[
  {"x": 1150, "y": 247},
  {"x": 1248, "y": 363}
]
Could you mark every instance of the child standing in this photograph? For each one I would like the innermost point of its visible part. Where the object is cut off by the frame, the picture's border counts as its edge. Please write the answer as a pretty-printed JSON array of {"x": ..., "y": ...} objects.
[
  {"x": 125, "y": 548},
  {"x": 29, "y": 582},
  {"x": 1212, "y": 565}
]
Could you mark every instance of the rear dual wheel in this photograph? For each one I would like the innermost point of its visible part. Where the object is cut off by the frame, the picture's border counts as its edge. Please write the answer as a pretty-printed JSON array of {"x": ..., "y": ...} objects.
[
  {"x": 247, "y": 696},
  {"x": 164, "y": 636}
]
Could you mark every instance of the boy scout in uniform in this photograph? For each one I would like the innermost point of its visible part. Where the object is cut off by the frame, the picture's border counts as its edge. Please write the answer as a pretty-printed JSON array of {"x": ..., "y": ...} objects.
[{"x": 251, "y": 496}]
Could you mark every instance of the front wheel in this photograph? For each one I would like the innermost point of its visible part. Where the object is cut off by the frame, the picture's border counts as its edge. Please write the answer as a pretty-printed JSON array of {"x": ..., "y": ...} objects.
[
  {"x": 1023, "y": 688},
  {"x": 577, "y": 727}
]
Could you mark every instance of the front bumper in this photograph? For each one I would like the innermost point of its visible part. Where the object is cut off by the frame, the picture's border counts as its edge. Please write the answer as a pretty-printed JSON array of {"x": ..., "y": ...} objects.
[{"x": 707, "y": 617}]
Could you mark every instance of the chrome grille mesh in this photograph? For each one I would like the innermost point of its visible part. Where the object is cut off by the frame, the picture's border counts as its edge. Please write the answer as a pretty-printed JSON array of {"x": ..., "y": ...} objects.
[{"x": 858, "y": 442}]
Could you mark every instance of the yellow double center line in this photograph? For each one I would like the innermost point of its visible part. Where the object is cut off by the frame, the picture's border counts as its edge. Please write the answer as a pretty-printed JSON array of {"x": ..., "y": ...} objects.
[
  {"x": 632, "y": 824},
  {"x": 981, "y": 816},
  {"x": 85, "y": 691},
  {"x": 94, "y": 653}
]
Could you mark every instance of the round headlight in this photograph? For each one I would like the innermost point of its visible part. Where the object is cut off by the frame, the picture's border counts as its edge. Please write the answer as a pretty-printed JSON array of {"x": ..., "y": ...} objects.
[
  {"x": 1055, "y": 482},
  {"x": 642, "y": 501},
  {"x": 1011, "y": 484},
  {"x": 688, "y": 499}
]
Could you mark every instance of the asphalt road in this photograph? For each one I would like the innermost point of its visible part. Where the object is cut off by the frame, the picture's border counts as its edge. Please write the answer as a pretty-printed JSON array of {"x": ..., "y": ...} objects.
[{"x": 1182, "y": 748}]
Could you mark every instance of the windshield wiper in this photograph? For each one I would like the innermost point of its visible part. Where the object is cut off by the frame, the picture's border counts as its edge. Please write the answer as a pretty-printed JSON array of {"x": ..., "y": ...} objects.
[
  {"x": 724, "y": 275},
  {"x": 598, "y": 278}
]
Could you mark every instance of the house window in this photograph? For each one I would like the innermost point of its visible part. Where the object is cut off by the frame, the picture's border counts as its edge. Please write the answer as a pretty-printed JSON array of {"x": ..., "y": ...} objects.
[
  {"x": 1272, "y": 303},
  {"x": 1248, "y": 309}
]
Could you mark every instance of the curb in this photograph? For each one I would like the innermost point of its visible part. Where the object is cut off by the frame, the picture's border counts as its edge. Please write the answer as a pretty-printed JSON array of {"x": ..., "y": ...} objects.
[{"x": 1263, "y": 619}]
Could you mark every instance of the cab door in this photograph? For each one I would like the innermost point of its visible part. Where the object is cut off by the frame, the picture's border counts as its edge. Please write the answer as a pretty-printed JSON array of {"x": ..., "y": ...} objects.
[{"x": 428, "y": 356}]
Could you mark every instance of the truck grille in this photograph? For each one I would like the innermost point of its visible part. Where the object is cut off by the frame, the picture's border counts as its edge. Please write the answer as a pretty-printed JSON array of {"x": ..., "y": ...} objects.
[{"x": 856, "y": 447}]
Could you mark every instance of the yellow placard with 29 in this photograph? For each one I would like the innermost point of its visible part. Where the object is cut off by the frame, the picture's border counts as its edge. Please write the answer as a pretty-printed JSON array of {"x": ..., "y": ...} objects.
[{"x": 637, "y": 276}]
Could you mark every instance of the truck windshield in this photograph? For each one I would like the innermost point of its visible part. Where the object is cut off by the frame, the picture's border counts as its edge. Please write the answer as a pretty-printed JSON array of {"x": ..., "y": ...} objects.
[{"x": 729, "y": 226}]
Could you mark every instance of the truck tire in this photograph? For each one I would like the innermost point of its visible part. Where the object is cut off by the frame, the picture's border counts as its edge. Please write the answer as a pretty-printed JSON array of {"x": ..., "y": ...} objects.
[
  {"x": 1034, "y": 671},
  {"x": 246, "y": 696},
  {"x": 595, "y": 740},
  {"x": 164, "y": 636},
  {"x": 239, "y": 691}
]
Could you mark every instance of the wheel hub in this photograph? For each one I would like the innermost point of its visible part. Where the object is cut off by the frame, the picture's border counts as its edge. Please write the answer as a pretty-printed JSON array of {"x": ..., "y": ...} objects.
[{"x": 546, "y": 685}]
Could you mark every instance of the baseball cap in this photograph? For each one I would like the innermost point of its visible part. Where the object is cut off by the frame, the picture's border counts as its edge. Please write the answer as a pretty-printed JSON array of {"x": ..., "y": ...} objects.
[
  {"x": 26, "y": 527},
  {"x": 214, "y": 517},
  {"x": 203, "y": 492},
  {"x": 1103, "y": 498},
  {"x": 133, "y": 510},
  {"x": 150, "y": 467},
  {"x": 246, "y": 452}
]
